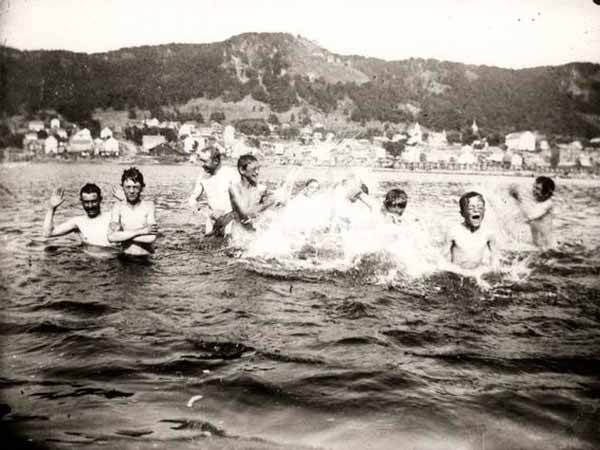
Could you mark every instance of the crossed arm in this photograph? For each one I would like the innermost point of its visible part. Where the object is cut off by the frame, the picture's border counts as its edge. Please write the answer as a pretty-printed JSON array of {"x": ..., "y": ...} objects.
[{"x": 143, "y": 235}]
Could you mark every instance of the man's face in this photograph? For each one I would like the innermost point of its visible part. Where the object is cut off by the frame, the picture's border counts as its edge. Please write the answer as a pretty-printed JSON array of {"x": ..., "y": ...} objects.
[
  {"x": 210, "y": 164},
  {"x": 91, "y": 204},
  {"x": 251, "y": 172},
  {"x": 474, "y": 212},
  {"x": 397, "y": 208},
  {"x": 312, "y": 188},
  {"x": 132, "y": 190},
  {"x": 538, "y": 192}
]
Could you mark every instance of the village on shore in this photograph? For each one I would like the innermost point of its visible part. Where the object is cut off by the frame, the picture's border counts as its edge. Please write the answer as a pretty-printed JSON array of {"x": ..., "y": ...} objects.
[{"x": 411, "y": 147}]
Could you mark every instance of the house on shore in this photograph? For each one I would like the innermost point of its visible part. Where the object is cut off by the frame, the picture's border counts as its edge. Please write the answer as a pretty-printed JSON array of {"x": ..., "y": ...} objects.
[
  {"x": 51, "y": 145},
  {"x": 151, "y": 141},
  {"x": 524, "y": 140},
  {"x": 81, "y": 142}
]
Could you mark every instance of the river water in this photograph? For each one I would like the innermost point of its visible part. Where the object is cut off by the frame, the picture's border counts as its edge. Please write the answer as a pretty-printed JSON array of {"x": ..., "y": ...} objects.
[{"x": 286, "y": 351}]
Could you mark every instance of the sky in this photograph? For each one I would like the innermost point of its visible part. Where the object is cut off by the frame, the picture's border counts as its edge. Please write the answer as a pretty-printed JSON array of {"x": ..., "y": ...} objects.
[{"x": 508, "y": 33}]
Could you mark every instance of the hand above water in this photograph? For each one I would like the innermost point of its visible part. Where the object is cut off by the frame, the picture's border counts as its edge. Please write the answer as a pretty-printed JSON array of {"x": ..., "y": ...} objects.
[
  {"x": 117, "y": 193},
  {"x": 57, "y": 198}
]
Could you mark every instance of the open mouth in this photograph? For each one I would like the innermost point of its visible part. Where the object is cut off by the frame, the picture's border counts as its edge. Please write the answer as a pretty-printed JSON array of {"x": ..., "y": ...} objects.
[{"x": 476, "y": 217}]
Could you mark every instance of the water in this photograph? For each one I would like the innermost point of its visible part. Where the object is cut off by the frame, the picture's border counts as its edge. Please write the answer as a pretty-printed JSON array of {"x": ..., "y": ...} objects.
[{"x": 329, "y": 350}]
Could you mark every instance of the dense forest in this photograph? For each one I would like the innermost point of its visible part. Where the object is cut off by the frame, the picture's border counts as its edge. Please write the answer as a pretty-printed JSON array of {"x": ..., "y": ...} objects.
[{"x": 284, "y": 71}]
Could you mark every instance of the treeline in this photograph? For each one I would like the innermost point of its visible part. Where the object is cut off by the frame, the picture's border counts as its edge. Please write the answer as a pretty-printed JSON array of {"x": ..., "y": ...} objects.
[{"x": 444, "y": 95}]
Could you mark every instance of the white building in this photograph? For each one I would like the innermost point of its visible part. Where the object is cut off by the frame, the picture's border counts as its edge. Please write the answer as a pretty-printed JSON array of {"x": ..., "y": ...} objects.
[
  {"x": 151, "y": 141},
  {"x": 81, "y": 141},
  {"x": 191, "y": 143},
  {"x": 187, "y": 129},
  {"x": 524, "y": 140},
  {"x": 35, "y": 125},
  {"x": 151, "y": 123},
  {"x": 111, "y": 146},
  {"x": 50, "y": 145},
  {"x": 106, "y": 133},
  {"x": 516, "y": 161},
  {"x": 437, "y": 139},
  {"x": 415, "y": 134}
]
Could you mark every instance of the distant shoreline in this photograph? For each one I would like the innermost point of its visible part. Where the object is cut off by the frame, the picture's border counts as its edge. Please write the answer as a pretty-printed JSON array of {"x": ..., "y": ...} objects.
[{"x": 527, "y": 173}]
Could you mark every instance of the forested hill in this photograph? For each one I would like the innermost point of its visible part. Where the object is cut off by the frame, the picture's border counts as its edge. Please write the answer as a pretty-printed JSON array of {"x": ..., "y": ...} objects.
[{"x": 283, "y": 70}]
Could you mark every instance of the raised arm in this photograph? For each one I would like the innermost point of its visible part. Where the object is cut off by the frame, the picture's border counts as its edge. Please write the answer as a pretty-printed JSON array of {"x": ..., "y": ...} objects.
[
  {"x": 196, "y": 194},
  {"x": 48, "y": 228}
]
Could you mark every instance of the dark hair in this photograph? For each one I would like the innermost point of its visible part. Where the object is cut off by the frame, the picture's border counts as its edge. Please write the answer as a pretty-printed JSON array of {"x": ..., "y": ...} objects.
[
  {"x": 464, "y": 199},
  {"x": 547, "y": 186},
  {"x": 311, "y": 180},
  {"x": 244, "y": 160},
  {"x": 395, "y": 197},
  {"x": 134, "y": 175},
  {"x": 215, "y": 154},
  {"x": 90, "y": 188}
]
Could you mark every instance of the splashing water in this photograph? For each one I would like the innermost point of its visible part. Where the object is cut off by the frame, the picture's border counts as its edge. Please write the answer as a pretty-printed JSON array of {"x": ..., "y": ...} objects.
[{"x": 326, "y": 232}]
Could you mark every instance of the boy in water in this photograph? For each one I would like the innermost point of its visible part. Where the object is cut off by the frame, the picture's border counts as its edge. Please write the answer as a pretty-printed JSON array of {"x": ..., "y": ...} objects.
[
  {"x": 249, "y": 197},
  {"x": 538, "y": 211},
  {"x": 394, "y": 205},
  {"x": 133, "y": 222},
  {"x": 311, "y": 187},
  {"x": 91, "y": 227},
  {"x": 471, "y": 245},
  {"x": 213, "y": 183}
]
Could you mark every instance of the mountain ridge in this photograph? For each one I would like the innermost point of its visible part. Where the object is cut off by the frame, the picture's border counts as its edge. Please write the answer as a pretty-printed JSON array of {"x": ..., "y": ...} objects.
[{"x": 285, "y": 71}]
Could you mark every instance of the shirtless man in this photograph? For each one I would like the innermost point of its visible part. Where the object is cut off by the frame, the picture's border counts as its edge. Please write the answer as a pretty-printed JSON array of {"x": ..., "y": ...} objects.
[
  {"x": 214, "y": 184},
  {"x": 394, "y": 205},
  {"x": 538, "y": 211},
  {"x": 248, "y": 197},
  {"x": 471, "y": 244},
  {"x": 91, "y": 228},
  {"x": 132, "y": 222}
]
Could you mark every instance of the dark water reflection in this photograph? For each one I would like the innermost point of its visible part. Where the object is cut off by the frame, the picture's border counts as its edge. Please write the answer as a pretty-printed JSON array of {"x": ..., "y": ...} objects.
[{"x": 106, "y": 353}]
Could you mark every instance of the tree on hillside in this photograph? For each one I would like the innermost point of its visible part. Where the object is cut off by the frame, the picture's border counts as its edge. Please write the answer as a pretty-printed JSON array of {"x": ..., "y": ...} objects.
[
  {"x": 273, "y": 119},
  {"x": 395, "y": 149},
  {"x": 217, "y": 116},
  {"x": 289, "y": 133},
  {"x": 253, "y": 127}
]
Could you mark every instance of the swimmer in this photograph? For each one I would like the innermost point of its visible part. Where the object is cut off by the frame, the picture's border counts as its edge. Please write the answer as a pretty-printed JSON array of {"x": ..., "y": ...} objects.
[
  {"x": 471, "y": 244},
  {"x": 132, "y": 222},
  {"x": 91, "y": 228},
  {"x": 394, "y": 205},
  {"x": 249, "y": 197},
  {"x": 538, "y": 211},
  {"x": 311, "y": 187},
  {"x": 213, "y": 183}
]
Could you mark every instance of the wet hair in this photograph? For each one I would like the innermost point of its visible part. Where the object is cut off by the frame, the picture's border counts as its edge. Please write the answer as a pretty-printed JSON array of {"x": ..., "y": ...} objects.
[
  {"x": 134, "y": 175},
  {"x": 90, "y": 188},
  {"x": 395, "y": 198},
  {"x": 464, "y": 199},
  {"x": 244, "y": 160},
  {"x": 547, "y": 186},
  {"x": 311, "y": 180}
]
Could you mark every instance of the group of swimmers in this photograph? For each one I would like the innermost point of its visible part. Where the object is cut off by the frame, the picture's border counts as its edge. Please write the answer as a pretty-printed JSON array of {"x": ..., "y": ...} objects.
[{"x": 235, "y": 199}]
